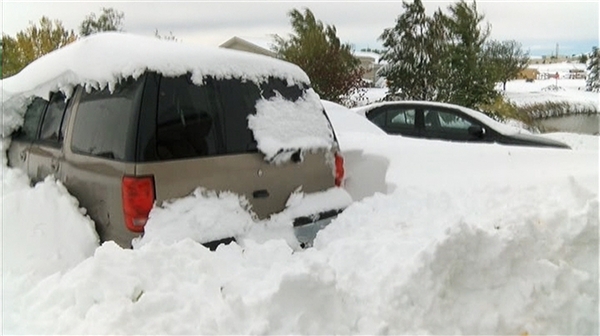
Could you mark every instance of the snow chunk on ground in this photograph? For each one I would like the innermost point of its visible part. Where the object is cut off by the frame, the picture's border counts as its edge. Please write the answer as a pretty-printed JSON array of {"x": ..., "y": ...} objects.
[
  {"x": 300, "y": 204},
  {"x": 204, "y": 216},
  {"x": 207, "y": 216},
  {"x": 280, "y": 126}
]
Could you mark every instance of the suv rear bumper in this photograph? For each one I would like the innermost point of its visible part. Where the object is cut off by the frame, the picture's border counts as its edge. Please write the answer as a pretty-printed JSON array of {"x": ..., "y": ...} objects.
[{"x": 306, "y": 227}]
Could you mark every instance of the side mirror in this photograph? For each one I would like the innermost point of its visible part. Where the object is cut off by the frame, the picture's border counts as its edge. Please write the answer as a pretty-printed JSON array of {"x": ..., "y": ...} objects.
[{"x": 476, "y": 131}]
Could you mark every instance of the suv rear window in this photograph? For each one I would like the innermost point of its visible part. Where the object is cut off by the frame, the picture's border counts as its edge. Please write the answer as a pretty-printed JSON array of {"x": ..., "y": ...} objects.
[
  {"x": 212, "y": 118},
  {"x": 105, "y": 124}
]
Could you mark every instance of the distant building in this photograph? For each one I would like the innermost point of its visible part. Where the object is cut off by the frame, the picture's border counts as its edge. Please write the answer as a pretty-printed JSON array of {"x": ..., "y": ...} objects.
[
  {"x": 577, "y": 74},
  {"x": 528, "y": 74},
  {"x": 369, "y": 61}
]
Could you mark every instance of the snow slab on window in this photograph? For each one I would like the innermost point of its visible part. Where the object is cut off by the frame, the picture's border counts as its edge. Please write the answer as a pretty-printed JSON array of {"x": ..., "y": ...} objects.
[{"x": 281, "y": 127}]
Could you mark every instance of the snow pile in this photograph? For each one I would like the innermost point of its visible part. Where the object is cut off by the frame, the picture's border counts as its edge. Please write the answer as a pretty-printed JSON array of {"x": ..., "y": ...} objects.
[
  {"x": 57, "y": 233},
  {"x": 207, "y": 216},
  {"x": 280, "y": 126},
  {"x": 184, "y": 288},
  {"x": 486, "y": 260},
  {"x": 104, "y": 59},
  {"x": 501, "y": 261},
  {"x": 43, "y": 229},
  {"x": 204, "y": 216},
  {"x": 475, "y": 239}
]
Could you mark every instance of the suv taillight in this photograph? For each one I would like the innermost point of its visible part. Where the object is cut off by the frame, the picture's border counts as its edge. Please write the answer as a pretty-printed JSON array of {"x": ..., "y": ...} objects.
[
  {"x": 339, "y": 169},
  {"x": 138, "y": 199}
]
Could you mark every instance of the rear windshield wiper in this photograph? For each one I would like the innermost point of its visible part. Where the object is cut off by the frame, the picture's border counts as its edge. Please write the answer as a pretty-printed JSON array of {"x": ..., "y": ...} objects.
[{"x": 109, "y": 155}]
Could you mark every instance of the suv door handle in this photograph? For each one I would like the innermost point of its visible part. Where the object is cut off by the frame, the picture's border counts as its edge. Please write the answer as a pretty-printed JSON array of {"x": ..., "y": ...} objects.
[
  {"x": 263, "y": 193},
  {"x": 54, "y": 165}
]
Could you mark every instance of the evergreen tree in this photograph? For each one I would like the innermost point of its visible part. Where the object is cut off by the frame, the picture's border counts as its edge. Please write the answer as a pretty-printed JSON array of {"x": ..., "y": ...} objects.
[
  {"x": 314, "y": 47},
  {"x": 32, "y": 43},
  {"x": 109, "y": 20},
  {"x": 473, "y": 79},
  {"x": 593, "y": 67},
  {"x": 414, "y": 53},
  {"x": 441, "y": 58},
  {"x": 507, "y": 59}
]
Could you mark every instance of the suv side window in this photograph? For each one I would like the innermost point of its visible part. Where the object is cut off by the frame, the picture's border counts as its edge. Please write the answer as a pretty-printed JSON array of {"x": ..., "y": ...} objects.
[
  {"x": 51, "y": 125},
  {"x": 212, "y": 118},
  {"x": 105, "y": 123},
  {"x": 32, "y": 119}
]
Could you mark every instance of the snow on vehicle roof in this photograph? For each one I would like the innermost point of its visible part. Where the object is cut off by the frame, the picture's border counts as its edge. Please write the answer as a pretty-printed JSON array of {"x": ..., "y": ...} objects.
[
  {"x": 106, "y": 58},
  {"x": 497, "y": 126}
]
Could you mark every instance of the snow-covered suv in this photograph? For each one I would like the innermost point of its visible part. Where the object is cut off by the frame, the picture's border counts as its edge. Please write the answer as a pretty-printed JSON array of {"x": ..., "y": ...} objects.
[{"x": 126, "y": 122}]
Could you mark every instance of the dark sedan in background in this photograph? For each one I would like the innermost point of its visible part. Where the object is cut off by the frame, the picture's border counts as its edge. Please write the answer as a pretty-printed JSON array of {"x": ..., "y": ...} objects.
[{"x": 431, "y": 120}]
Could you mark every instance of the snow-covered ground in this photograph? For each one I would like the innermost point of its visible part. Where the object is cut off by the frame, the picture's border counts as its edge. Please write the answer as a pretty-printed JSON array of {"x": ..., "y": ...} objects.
[
  {"x": 443, "y": 238},
  {"x": 569, "y": 90},
  {"x": 440, "y": 238},
  {"x": 522, "y": 93}
]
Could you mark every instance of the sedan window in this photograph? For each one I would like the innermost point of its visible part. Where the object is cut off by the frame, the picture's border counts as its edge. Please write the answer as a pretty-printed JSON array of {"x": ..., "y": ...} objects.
[
  {"x": 401, "y": 117},
  {"x": 447, "y": 125},
  {"x": 440, "y": 120},
  {"x": 449, "y": 120}
]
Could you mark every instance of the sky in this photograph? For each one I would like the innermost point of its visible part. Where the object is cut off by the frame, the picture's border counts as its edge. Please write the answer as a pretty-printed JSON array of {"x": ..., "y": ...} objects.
[{"x": 538, "y": 25}]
